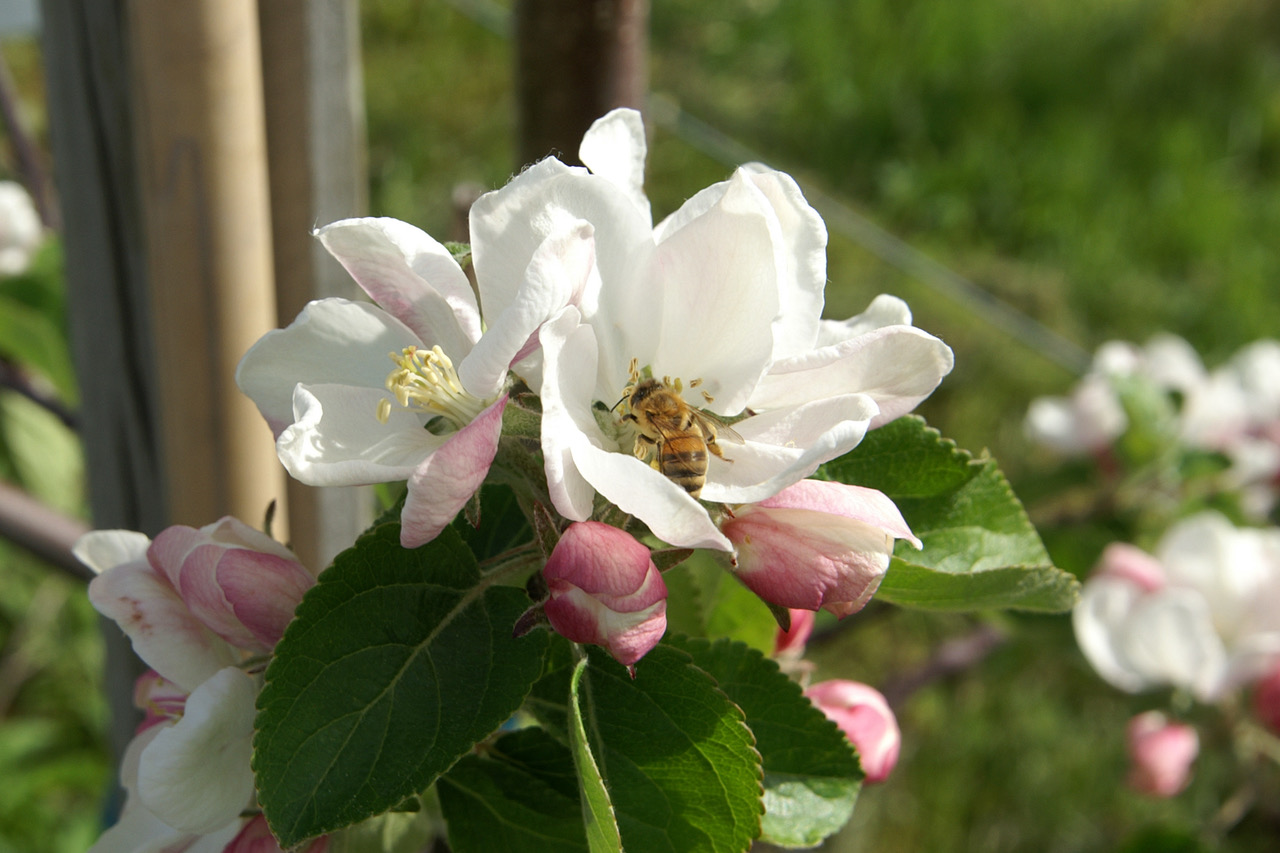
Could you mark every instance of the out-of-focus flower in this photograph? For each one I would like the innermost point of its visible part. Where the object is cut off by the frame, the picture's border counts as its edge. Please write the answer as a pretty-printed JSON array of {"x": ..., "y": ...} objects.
[
  {"x": 1203, "y": 614},
  {"x": 864, "y": 716},
  {"x": 1266, "y": 700},
  {"x": 197, "y": 605},
  {"x": 604, "y": 589},
  {"x": 791, "y": 643},
  {"x": 21, "y": 231},
  {"x": 256, "y": 837},
  {"x": 724, "y": 296},
  {"x": 816, "y": 544},
  {"x": 344, "y": 414},
  {"x": 1161, "y": 754}
]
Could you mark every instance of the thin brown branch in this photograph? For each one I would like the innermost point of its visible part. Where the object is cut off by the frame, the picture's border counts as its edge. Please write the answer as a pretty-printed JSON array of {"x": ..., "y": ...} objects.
[
  {"x": 44, "y": 532},
  {"x": 952, "y": 657}
]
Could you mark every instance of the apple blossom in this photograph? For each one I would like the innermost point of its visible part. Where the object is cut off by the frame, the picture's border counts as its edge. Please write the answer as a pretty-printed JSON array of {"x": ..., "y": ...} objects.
[
  {"x": 724, "y": 295},
  {"x": 343, "y": 415},
  {"x": 199, "y": 605},
  {"x": 21, "y": 231},
  {"x": 816, "y": 544},
  {"x": 866, "y": 719},
  {"x": 604, "y": 589},
  {"x": 1161, "y": 753},
  {"x": 1202, "y": 614}
]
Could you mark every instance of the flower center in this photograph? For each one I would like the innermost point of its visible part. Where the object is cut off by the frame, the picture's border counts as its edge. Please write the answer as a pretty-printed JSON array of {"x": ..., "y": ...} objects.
[{"x": 425, "y": 381}]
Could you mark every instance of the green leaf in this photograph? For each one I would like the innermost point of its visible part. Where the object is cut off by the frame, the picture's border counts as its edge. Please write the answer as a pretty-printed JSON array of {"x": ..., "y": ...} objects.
[
  {"x": 520, "y": 794},
  {"x": 33, "y": 340},
  {"x": 397, "y": 663},
  {"x": 679, "y": 763},
  {"x": 980, "y": 549},
  {"x": 706, "y": 600},
  {"x": 502, "y": 523},
  {"x": 811, "y": 772},
  {"x": 603, "y": 834}
]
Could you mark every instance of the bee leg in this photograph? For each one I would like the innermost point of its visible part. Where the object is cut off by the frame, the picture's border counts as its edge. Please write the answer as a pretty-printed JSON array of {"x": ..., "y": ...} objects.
[{"x": 643, "y": 446}]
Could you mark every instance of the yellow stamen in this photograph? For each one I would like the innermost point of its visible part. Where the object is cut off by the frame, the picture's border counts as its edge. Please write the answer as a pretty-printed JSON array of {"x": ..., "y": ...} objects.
[{"x": 425, "y": 381}]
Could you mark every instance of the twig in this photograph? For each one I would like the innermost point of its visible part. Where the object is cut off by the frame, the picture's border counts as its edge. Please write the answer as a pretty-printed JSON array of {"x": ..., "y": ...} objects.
[
  {"x": 44, "y": 532},
  {"x": 32, "y": 173},
  {"x": 951, "y": 658},
  {"x": 13, "y": 378}
]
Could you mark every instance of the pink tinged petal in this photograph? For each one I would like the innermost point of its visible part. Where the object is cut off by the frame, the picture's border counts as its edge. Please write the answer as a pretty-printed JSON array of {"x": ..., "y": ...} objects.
[
  {"x": 605, "y": 590},
  {"x": 337, "y": 440},
  {"x": 857, "y": 503},
  {"x": 614, "y": 147},
  {"x": 1129, "y": 563},
  {"x": 897, "y": 366},
  {"x": 864, "y": 716},
  {"x": 238, "y": 581},
  {"x": 785, "y": 446},
  {"x": 636, "y": 488},
  {"x": 256, "y": 837},
  {"x": 804, "y": 243},
  {"x": 568, "y": 382},
  {"x": 884, "y": 310},
  {"x": 160, "y": 700},
  {"x": 195, "y": 775},
  {"x": 791, "y": 642},
  {"x": 1266, "y": 700},
  {"x": 164, "y": 632},
  {"x": 446, "y": 480},
  {"x": 332, "y": 341},
  {"x": 1161, "y": 754},
  {"x": 562, "y": 271},
  {"x": 807, "y": 560},
  {"x": 718, "y": 276},
  {"x": 101, "y": 550},
  {"x": 411, "y": 275}
]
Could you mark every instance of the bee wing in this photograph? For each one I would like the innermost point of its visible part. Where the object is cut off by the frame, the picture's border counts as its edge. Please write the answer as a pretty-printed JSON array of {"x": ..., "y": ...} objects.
[{"x": 711, "y": 424}]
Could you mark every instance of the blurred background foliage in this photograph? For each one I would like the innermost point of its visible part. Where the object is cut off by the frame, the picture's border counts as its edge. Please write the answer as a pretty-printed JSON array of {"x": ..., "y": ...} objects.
[{"x": 1109, "y": 167}]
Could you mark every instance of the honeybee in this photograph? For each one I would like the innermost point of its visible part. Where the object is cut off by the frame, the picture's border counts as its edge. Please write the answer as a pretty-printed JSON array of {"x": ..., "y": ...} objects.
[{"x": 678, "y": 434}]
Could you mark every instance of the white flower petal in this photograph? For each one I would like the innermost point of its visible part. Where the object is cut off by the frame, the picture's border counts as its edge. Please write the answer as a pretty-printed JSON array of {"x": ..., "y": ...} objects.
[
  {"x": 1170, "y": 639},
  {"x": 563, "y": 270},
  {"x": 884, "y": 310},
  {"x": 785, "y": 446},
  {"x": 804, "y": 280},
  {"x": 104, "y": 549},
  {"x": 164, "y": 632},
  {"x": 569, "y": 349},
  {"x": 614, "y": 147},
  {"x": 1099, "y": 620},
  {"x": 897, "y": 366},
  {"x": 508, "y": 225},
  {"x": 337, "y": 440},
  {"x": 195, "y": 775},
  {"x": 636, "y": 488},
  {"x": 334, "y": 341},
  {"x": 412, "y": 276},
  {"x": 719, "y": 274}
]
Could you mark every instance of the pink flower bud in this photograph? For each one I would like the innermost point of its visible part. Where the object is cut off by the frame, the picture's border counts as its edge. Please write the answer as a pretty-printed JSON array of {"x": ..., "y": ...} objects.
[
  {"x": 238, "y": 581},
  {"x": 816, "y": 545},
  {"x": 864, "y": 716},
  {"x": 791, "y": 643},
  {"x": 605, "y": 590},
  {"x": 1161, "y": 754},
  {"x": 256, "y": 837},
  {"x": 1266, "y": 700},
  {"x": 1129, "y": 563}
]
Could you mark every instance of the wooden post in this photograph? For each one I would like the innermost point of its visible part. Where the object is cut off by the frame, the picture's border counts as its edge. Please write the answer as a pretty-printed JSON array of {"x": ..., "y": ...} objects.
[
  {"x": 316, "y": 149},
  {"x": 575, "y": 61},
  {"x": 201, "y": 145},
  {"x": 86, "y": 72}
]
